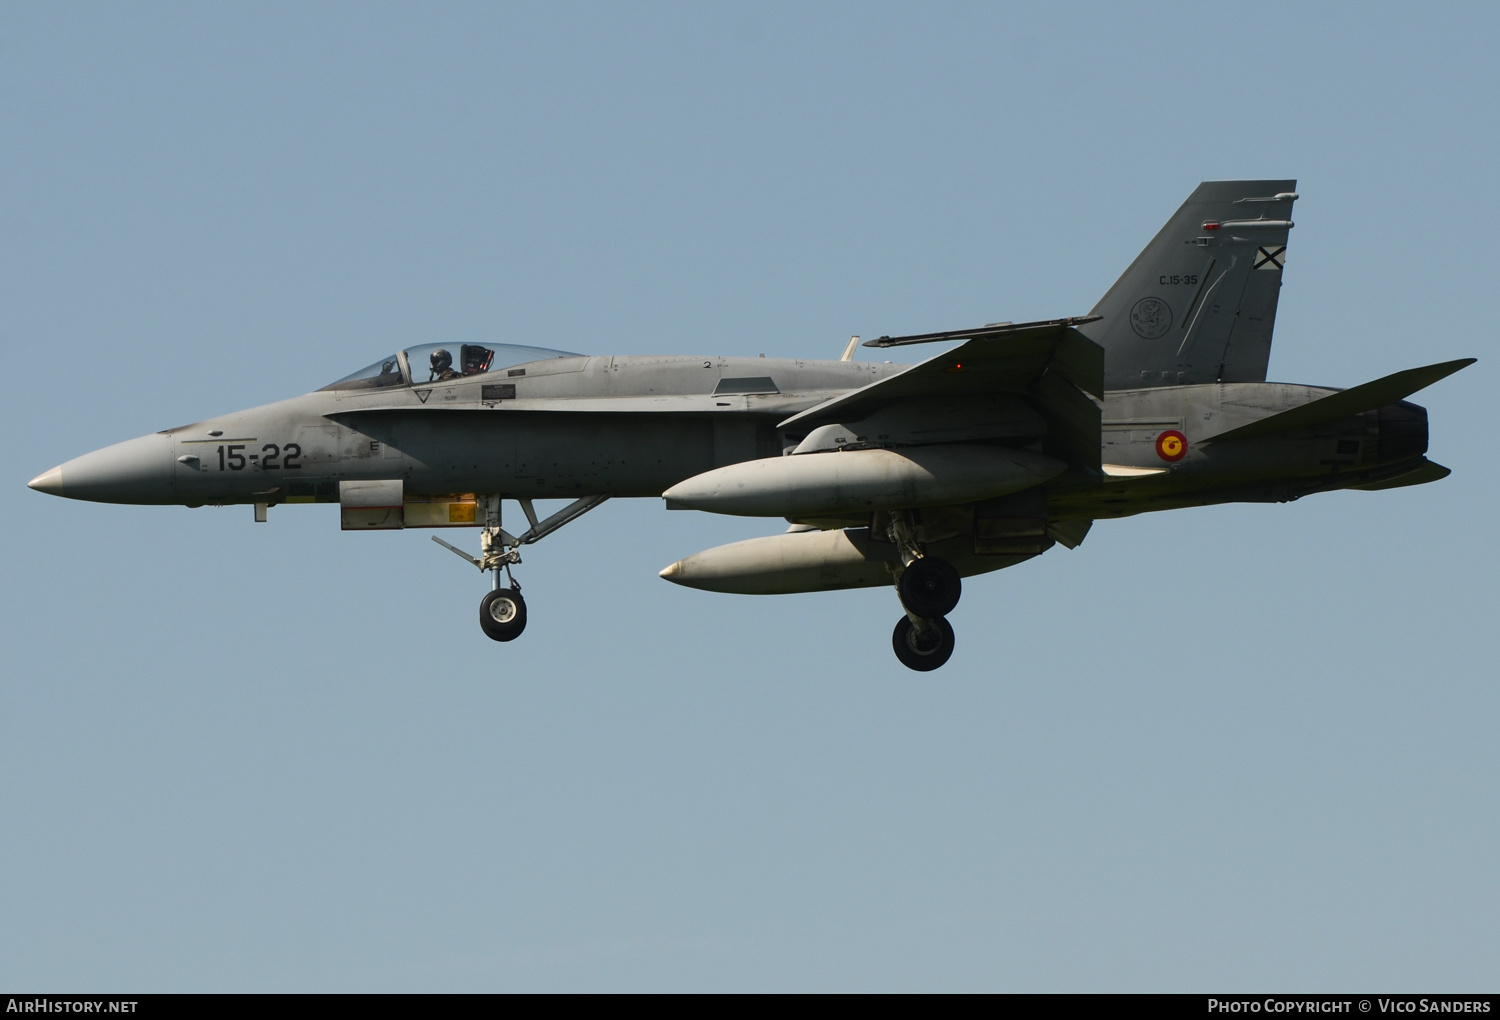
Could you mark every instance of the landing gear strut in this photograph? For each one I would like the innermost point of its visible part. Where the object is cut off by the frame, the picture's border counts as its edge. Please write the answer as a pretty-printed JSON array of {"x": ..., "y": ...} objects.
[
  {"x": 929, "y": 588},
  {"x": 502, "y": 613}
]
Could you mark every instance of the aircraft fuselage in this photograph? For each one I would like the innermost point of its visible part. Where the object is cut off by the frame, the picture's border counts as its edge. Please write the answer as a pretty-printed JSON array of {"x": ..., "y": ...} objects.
[{"x": 636, "y": 426}]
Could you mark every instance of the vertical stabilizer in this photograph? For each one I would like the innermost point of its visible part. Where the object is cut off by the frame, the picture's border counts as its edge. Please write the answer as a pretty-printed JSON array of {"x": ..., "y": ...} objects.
[{"x": 1199, "y": 304}]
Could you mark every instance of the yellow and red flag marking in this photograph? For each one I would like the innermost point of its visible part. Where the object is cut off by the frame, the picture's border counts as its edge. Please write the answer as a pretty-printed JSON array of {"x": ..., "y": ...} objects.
[{"x": 1171, "y": 445}]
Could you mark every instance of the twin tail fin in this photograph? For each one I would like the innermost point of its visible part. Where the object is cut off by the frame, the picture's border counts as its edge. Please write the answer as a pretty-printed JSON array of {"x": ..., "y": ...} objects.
[{"x": 1199, "y": 303}]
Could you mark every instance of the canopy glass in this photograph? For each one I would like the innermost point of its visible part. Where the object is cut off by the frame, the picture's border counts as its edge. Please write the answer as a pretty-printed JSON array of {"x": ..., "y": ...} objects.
[{"x": 440, "y": 362}]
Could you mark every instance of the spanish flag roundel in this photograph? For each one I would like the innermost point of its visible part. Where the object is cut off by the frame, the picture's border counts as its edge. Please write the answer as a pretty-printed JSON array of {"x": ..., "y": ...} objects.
[{"x": 1171, "y": 445}]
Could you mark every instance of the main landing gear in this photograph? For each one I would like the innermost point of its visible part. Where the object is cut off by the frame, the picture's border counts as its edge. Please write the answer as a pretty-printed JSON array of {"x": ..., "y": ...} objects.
[
  {"x": 502, "y": 613},
  {"x": 926, "y": 649},
  {"x": 929, "y": 588}
]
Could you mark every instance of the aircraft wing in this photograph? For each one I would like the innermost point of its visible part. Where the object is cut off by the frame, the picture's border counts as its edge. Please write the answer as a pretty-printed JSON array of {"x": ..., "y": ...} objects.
[{"x": 1049, "y": 365}]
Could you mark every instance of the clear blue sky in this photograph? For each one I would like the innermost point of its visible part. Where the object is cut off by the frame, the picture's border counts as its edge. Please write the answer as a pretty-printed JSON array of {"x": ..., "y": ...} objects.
[{"x": 1240, "y": 747}]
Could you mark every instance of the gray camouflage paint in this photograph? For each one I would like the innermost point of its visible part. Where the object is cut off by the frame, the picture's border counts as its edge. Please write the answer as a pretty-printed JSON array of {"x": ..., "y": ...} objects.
[{"x": 1187, "y": 356}]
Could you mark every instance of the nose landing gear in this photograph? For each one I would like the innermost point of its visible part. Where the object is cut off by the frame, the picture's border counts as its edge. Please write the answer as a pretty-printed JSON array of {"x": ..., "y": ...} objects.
[{"x": 502, "y": 612}]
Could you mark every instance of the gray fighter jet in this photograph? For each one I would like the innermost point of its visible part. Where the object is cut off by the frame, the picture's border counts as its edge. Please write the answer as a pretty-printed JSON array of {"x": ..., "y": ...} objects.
[{"x": 988, "y": 454}]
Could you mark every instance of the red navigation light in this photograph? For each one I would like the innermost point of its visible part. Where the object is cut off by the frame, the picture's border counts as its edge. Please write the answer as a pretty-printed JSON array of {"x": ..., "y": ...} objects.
[{"x": 1210, "y": 224}]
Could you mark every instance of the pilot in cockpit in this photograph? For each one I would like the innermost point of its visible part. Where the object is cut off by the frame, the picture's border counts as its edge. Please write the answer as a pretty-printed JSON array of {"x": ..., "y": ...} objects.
[{"x": 442, "y": 366}]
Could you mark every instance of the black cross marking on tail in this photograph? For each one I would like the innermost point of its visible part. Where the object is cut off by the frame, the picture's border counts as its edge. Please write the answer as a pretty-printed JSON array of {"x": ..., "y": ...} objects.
[{"x": 1270, "y": 258}]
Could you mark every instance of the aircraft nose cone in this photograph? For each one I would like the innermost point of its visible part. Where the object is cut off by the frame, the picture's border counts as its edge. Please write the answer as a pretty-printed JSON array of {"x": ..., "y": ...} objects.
[
  {"x": 49, "y": 481},
  {"x": 135, "y": 471}
]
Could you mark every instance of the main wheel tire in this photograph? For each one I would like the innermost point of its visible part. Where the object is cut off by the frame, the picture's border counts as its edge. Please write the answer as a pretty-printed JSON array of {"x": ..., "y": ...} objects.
[
  {"x": 930, "y": 587},
  {"x": 919, "y": 652},
  {"x": 502, "y": 614}
]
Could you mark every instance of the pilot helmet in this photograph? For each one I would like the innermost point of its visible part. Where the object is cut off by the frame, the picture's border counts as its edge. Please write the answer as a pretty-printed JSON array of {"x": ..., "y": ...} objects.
[{"x": 441, "y": 360}]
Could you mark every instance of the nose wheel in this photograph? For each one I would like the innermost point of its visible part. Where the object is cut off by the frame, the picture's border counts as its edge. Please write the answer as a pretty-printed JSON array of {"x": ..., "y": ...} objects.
[{"x": 502, "y": 614}]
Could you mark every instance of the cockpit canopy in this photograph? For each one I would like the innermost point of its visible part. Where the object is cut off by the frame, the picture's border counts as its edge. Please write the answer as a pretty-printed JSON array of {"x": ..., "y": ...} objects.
[{"x": 440, "y": 362}]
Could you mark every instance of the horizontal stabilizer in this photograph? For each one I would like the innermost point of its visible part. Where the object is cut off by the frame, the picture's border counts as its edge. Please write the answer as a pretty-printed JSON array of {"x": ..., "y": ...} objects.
[
  {"x": 1428, "y": 472},
  {"x": 1365, "y": 397}
]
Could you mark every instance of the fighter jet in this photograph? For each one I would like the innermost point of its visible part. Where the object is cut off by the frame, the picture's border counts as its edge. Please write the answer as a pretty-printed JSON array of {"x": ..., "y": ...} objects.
[{"x": 1014, "y": 439}]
